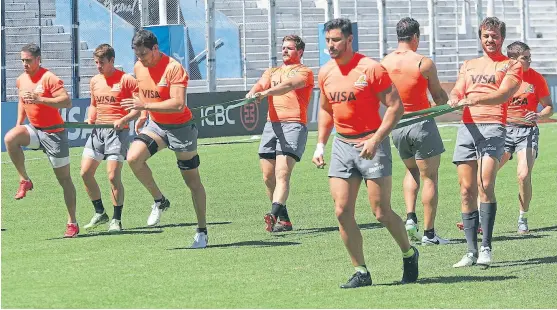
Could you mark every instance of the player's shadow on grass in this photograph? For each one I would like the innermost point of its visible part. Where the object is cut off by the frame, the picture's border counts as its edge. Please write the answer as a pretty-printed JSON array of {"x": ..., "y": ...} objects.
[
  {"x": 502, "y": 238},
  {"x": 455, "y": 279},
  {"x": 177, "y": 225},
  {"x": 106, "y": 233},
  {"x": 305, "y": 231},
  {"x": 541, "y": 229},
  {"x": 526, "y": 262},
  {"x": 255, "y": 244}
]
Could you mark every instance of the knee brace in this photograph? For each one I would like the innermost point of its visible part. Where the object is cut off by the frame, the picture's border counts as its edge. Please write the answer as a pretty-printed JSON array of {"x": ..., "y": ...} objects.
[
  {"x": 189, "y": 164},
  {"x": 152, "y": 145}
]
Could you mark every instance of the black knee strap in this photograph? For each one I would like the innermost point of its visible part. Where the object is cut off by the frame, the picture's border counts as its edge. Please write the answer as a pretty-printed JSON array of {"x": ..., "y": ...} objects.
[
  {"x": 152, "y": 145},
  {"x": 189, "y": 164}
]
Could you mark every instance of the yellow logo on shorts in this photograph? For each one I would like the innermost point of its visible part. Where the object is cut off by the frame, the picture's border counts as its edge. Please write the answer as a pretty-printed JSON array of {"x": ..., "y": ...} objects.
[{"x": 361, "y": 81}]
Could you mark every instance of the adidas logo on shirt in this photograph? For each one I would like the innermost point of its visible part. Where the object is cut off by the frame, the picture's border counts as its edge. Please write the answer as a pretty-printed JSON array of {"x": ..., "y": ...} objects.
[
  {"x": 39, "y": 89},
  {"x": 361, "y": 81},
  {"x": 116, "y": 87},
  {"x": 162, "y": 83}
]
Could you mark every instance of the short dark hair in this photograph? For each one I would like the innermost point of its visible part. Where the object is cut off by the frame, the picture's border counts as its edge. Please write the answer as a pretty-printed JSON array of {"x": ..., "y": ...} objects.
[
  {"x": 144, "y": 38},
  {"x": 406, "y": 28},
  {"x": 300, "y": 45},
  {"x": 344, "y": 24},
  {"x": 493, "y": 23},
  {"x": 516, "y": 48},
  {"x": 104, "y": 51},
  {"x": 32, "y": 48}
]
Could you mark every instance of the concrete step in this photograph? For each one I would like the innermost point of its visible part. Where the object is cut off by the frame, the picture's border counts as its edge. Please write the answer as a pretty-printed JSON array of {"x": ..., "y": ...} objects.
[
  {"x": 10, "y": 22},
  {"x": 58, "y": 37},
  {"x": 30, "y": 14},
  {"x": 48, "y": 54},
  {"x": 30, "y": 6},
  {"x": 34, "y": 30}
]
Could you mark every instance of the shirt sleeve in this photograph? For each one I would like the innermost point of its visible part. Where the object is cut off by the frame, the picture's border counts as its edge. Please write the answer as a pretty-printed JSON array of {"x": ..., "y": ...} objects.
[
  {"x": 265, "y": 80},
  {"x": 307, "y": 74},
  {"x": 52, "y": 83},
  {"x": 379, "y": 78},
  {"x": 460, "y": 85},
  {"x": 177, "y": 76},
  {"x": 91, "y": 93},
  {"x": 130, "y": 85},
  {"x": 321, "y": 81}
]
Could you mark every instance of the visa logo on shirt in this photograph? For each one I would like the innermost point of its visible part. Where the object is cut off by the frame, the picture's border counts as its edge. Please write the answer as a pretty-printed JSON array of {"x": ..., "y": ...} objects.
[
  {"x": 151, "y": 94},
  {"x": 105, "y": 99},
  {"x": 483, "y": 79},
  {"x": 342, "y": 96}
]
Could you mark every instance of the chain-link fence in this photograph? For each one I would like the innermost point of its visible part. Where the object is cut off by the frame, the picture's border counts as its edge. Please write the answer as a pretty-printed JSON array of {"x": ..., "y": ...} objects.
[{"x": 247, "y": 34}]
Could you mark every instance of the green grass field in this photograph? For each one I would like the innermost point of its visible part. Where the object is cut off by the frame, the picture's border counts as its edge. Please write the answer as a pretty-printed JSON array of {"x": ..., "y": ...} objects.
[{"x": 246, "y": 267}]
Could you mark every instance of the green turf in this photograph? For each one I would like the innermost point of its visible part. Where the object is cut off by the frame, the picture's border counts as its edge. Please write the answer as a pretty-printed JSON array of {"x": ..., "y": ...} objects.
[{"x": 245, "y": 267}]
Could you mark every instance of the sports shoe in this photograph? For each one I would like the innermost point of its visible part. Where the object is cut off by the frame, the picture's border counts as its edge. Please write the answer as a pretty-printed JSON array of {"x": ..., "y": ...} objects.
[
  {"x": 410, "y": 266},
  {"x": 460, "y": 226},
  {"x": 436, "y": 240},
  {"x": 97, "y": 220},
  {"x": 200, "y": 241},
  {"x": 412, "y": 230},
  {"x": 115, "y": 226},
  {"x": 523, "y": 226},
  {"x": 72, "y": 230},
  {"x": 467, "y": 260},
  {"x": 270, "y": 221},
  {"x": 484, "y": 258},
  {"x": 358, "y": 279},
  {"x": 24, "y": 186},
  {"x": 157, "y": 209},
  {"x": 282, "y": 226}
]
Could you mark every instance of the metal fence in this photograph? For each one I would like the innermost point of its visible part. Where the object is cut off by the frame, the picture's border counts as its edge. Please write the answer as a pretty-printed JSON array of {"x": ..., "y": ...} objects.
[{"x": 246, "y": 34}]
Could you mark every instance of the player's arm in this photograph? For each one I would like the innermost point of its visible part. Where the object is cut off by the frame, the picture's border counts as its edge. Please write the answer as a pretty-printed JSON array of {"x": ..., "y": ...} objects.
[
  {"x": 262, "y": 84},
  {"x": 176, "y": 102},
  {"x": 429, "y": 71},
  {"x": 325, "y": 125},
  {"x": 459, "y": 90},
  {"x": 60, "y": 99},
  {"x": 547, "y": 110},
  {"x": 395, "y": 109},
  {"x": 92, "y": 111},
  {"x": 509, "y": 86},
  {"x": 293, "y": 83},
  {"x": 21, "y": 115}
]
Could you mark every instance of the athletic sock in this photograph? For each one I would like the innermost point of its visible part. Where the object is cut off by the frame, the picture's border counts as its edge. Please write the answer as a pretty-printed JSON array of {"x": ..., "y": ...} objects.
[
  {"x": 284, "y": 215},
  {"x": 118, "y": 212},
  {"x": 430, "y": 233},
  {"x": 98, "y": 205},
  {"x": 202, "y": 230},
  {"x": 361, "y": 269},
  {"x": 412, "y": 216},
  {"x": 523, "y": 215},
  {"x": 408, "y": 253},
  {"x": 471, "y": 222},
  {"x": 160, "y": 200},
  {"x": 488, "y": 211},
  {"x": 276, "y": 209}
]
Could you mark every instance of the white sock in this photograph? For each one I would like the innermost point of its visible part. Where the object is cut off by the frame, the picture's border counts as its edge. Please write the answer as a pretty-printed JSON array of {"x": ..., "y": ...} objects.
[{"x": 523, "y": 214}]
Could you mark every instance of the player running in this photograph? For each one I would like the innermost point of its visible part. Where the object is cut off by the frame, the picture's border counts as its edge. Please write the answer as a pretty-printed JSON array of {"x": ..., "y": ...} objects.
[
  {"x": 41, "y": 94},
  {"x": 419, "y": 145},
  {"x": 284, "y": 137},
  {"x": 352, "y": 86},
  {"x": 108, "y": 88}
]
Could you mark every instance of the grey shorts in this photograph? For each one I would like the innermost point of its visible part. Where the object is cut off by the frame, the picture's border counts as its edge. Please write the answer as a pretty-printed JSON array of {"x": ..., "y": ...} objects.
[
  {"x": 107, "y": 143},
  {"x": 283, "y": 139},
  {"x": 521, "y": 137},
  {"x": 420, "y": 141},
  {"x": 346, "y": 161},
  {"x": 178, "y": 138},
  {"x": 55, "y": 145},
  {"x": 474, "y": 141}
]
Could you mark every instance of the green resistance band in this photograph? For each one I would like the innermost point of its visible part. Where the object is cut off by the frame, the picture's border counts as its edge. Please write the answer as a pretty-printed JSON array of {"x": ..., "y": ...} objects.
[
  {"x": 431, "y": 110},
  {"x": 429, "y": 115}
]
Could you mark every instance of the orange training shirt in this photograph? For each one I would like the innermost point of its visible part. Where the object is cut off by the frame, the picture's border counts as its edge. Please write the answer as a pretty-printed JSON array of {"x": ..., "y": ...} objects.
[
  {"x": 154, "y": 86},
  {"x": 404, "y": 71},
  {"x": 352, "y": 91},
  {"x": 481, "y": 76},
  {"x": 292, "y": 106},
  {"x": 44, "y": 83},
  {"x": 532, "y": 89},
  {"x": 108, "y": 92}
]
